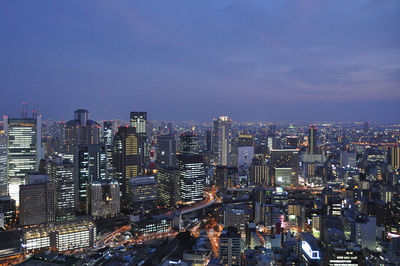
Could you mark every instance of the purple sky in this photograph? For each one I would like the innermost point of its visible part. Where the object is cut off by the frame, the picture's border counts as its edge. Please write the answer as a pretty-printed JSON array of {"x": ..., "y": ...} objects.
[{"x": 263, "y": 60}]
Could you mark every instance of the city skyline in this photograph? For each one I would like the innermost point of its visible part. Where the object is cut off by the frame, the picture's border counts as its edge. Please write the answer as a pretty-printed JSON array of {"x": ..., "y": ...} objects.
[{"x": 274, "y": 61}]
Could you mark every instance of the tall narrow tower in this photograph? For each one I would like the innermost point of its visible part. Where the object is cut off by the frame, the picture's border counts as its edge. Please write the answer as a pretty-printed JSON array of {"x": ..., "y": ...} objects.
[
  {"x": 312, "y": 139},
  {"x": 223, "y": 136}
]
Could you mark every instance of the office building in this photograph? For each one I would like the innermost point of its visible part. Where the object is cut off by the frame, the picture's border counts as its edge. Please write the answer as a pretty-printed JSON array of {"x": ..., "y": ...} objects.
[
  {"x": 259, "y": 172},
  {"x": 395, "y": 156},
  {"x": 292, "y": 142},
  {"x": 8, "y": 210},
  {"x": 139, "y": 122},
  {"x": 245, "y": 140},
  {"x": 142, "y": 194},
  {"x": 37, "y": 201},
  {"x": 108, "y": 131},
  {"x": 316, "y": 225},
  {"x": 103, "y": 199},
  {"x": 312, "y": 139},
  {"x": 245, "y": 156},
  {"x": 126, "y": 161},
  {"x": 61, "y": 171},
  {"x": 60, "y": 237},
  {"x": 230, "y": 247},
  {"x": 3, "y": 162},
  {"x": 81, "y": 131},
  {"x": 90, "y": 164},
  {"x": 297, "y": 216},
  {"x": 166, "y": 151},
  {"x": 24, "y": 151},
  {"x": 189, "y": 143},
  {"x": 285, "y": 159},
  {"x": 168, "y": 186},
  {"x": 236, "y": 218},
  {"x": 223, "y": 139},
  {"x": 192, "y": 177},
  {"x": 224, "y": 176}
]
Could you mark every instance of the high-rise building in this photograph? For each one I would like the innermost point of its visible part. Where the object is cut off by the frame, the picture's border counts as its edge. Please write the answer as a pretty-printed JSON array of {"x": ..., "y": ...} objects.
[
  {"x": 8, "y": 210},
  {"x": 126, "y": 161},
  {"x": 139, "y": 122},
  {"x": 168, "y": 186},
  {"x": 189, "y": 143},
  {"x": 236, "y": 218},
  {"x": 223, "y": 136},
  {"x": 259, "y": 172},
  {"x": 103, "y": 199},
  {"x": 108, "y": 134},
  {"x": 245, "y": 156},
  {"x": 24, "y": 151},
  {"x": 286, "y": 162},
  {"x": 225, "y": 176},
  {"x": 166, "y": 151},
  {"x": 142, "y": 193},
  {"x": 297, "y": 216},
  {"x": 292, "y": 142},
  {"x": 192, "y": 177},
  {"x": 81, "y": 131},
  {"x": 3, "y": 162},
  {"x": 37, "y": 201},
  {"x": 312, "y": 139},
  {"x": 245, "y": 140},
  {"x": 90, "y": 164},
  {"x": 61, "y": 171},
  {"x": 230, "y": 247},
  {"x": 395, "y": 156}
]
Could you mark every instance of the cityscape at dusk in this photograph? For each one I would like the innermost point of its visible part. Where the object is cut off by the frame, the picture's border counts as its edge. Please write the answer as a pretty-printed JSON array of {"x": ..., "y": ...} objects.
[{"x": 199, "y": 133}]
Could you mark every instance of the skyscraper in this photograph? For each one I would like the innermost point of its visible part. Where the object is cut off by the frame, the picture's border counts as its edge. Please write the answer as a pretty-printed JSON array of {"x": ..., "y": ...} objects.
[
  {"x": 166, "y": 151},
  {"x": 312, "y": 139},
  {"x": 81, "y": 131},
  {"x": 107, "y": 135},
  {"x": 103, "y": 199},
  {"x": 395, "y": 158},
  {"x": 3, "y": 162},
  {"x": 37, "y": 201},
  {"x": 192, "y": 177},
  {"x": 223, "y": 136},
  {"x": 142, "y": 194},
  {"x": 285, "y": 163},
  {"x": 126, "y": 161},
  {"x": 189, "y": 143},
  {"x": 61, "y": 171},
  {"x": 168, "y": 186},
  {"x": 139, "y": 122},
  {"x": 24, "y": 151},
  {"x": 90, "y": 164}
]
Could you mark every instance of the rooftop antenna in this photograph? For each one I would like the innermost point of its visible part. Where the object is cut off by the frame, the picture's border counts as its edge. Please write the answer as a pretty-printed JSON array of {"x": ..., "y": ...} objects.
[
  {"x": 35, "y": 110},
  {"x": 24, "y": 108}
]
